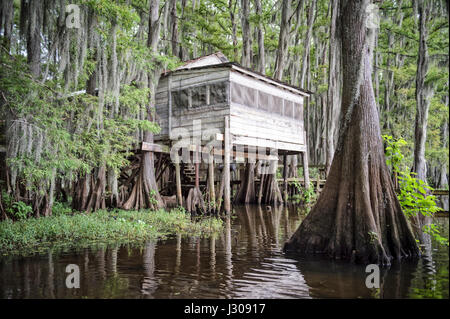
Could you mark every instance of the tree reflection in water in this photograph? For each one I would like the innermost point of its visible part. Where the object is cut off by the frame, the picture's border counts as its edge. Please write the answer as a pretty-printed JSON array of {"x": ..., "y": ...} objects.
[{"x": 244, "y": 261}]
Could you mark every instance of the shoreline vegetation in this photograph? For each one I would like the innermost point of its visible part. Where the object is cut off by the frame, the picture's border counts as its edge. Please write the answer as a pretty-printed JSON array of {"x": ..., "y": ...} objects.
[{"x": 72, "y": 230}]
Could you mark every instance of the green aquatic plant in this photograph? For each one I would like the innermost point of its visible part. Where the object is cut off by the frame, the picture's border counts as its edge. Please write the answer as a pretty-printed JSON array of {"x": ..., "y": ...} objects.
[
  {"x": 414, "y": 194},
  {"x": 305, "y": 195},
  {"x": 117, "y": 226}
]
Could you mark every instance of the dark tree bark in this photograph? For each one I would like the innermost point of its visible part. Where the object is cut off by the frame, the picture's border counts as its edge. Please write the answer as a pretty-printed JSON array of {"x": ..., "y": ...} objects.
[
  {"x": 307, "y": 42},
  {"x": 232, "y": 11},
  {"x": 246, "y": 37},
  {"x": 357, "y": 216},
  {"x": 184, "y": 49},
  {"x": 2, "y": 210},
  {"x": 283, "y": 39},
  {"x": 260, "y": 32},
  {"x": 34, "y": 36},
  {"x": 6, "y": 24},
  {"x": 333, "y": 95},
  {"x": 174, "y": 27},
  {"x": 246, "y": 193}
]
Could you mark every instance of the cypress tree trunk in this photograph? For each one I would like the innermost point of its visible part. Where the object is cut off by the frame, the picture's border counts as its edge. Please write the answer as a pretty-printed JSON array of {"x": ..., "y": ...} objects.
[
  {"x": 307, "y": 42},
  {"x": 174, "y": 27},
  {"x": 357, "y": 216},
  {"x": 423, "y": 98},
  {"x": 2, "y": 210},
  {"x": 260, "y": 32},
  {"x": 232, "y": 11},
  {"x": 7, "y": 13},
  {"x": 423, "y": 95},
  {"x": 246, "y": 45},
  {"x": 145, "y": 192},
  {"x": 34, "y": 36},
  {"x": 283, "y": 39},
  {"x": 333, "y": 94},
  {"x": 246, "y": 193}
]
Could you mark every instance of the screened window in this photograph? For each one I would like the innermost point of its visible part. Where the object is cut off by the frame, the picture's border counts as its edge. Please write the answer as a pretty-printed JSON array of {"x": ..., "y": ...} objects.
[
  {"x": 264, "y": 101},
  {"x": 289, "y": 109},
  {"x": 180, "y": 99},
  {"x": 197, "y": 96},
  {"x": 218, "y": 93},
  {"x": 243, "y": 95},
  {"x": 277, "y": 105},
  {"x": 298, "y": 111}
]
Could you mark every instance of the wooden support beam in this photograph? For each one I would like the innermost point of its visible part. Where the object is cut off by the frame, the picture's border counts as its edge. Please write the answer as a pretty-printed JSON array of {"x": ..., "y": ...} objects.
[
  {"x": 178, "y": 179},
  {"x": 439, "y": 192},
  {"x": 305, "y": 168},
  {"x": 158, "y": 148},
  {"x": 197, "y": 169},
  {"x": 285, "y": 182},
  {"x": 152, "y": 147},
  {"x": 235, "y": 154},
  {"x": 227, "y": 190},
  {"x": 292, "y": 180},
  {"x": 212, "y": 191}
]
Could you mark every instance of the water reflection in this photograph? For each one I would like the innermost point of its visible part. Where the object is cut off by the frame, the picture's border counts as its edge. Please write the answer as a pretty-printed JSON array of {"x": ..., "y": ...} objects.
[{"x": 244, "y": 261}]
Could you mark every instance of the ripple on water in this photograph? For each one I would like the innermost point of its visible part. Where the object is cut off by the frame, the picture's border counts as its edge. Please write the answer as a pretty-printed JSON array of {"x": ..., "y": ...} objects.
[{"x": 275, "y": 278}]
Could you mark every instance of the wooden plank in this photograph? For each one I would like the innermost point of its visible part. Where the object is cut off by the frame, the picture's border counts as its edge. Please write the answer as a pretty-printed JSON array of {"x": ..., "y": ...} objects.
[
  {"x": 268, "y": 80},
  {"x": 263, "y": 116},
  {"x": 439, "y": 192},
  {"x": 211, "y": 76},
  {"x": 256, "y": 123},
  {"x": 235, "y": 154},
  {"x": 273, "y": 89},
  {"x": 292, "y": 180},
  {"x": 263, "y": 133},
  {"x": 251, "y": 141},
  {"x": 152, "y": 147},
  {"x": 185, "y": 117},
  {"x": 196, "y": 72}
]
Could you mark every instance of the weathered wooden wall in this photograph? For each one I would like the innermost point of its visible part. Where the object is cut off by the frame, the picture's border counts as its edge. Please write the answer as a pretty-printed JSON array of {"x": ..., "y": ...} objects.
[
  {"x": 265, "y": 112},
  {"x": 211, "y": 116}
]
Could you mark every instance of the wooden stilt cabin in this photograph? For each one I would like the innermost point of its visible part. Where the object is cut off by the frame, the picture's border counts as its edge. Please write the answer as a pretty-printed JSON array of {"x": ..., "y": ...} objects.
[{"x": 242, "y": 111}]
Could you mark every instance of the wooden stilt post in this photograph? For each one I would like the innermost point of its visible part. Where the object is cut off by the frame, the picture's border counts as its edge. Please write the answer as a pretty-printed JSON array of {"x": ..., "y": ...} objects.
[
  {"x": 285, "y": 186},
  {"x": 178, "y": 179},
  {"x": 261, "y": 183},
  {"x": 305, "y": 168},
  {"x": 212, "y": 191},
  {"x": 226, "y": 167},
  {"x": 197, "y": 169}
]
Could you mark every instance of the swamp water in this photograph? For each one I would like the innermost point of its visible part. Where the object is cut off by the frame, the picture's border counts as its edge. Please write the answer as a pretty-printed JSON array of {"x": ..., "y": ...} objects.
[{"x": 245, "y": 261}]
